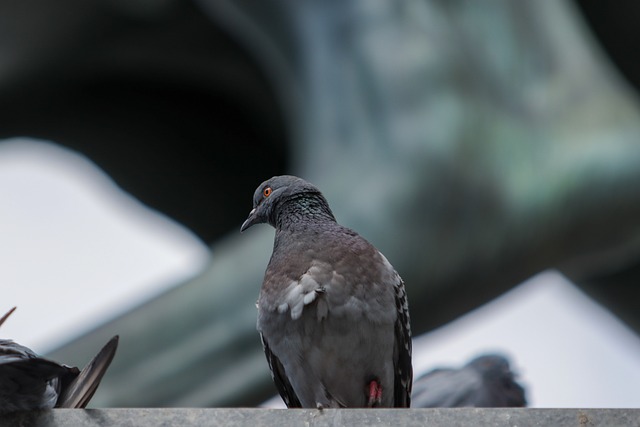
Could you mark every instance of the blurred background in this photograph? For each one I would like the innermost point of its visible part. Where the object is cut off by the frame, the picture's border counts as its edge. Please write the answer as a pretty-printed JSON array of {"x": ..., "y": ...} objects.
[{"x": 491, "y": 150}]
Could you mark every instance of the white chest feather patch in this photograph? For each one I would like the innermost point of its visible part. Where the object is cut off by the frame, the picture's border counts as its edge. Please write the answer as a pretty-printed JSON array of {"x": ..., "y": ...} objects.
[{"x": 301, "y": 293}]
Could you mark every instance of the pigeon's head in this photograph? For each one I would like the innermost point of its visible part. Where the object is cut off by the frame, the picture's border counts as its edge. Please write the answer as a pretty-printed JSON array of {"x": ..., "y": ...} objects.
[
  {"x": 276, "y": 192},
  {"x": 499, "y": 379},
  {"x": 491, "y": 365}
]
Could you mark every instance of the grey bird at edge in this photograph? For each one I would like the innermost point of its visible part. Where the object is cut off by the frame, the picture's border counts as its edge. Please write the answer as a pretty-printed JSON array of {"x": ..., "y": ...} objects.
[
  {"x": 31, "y": 382},
  {"x": 332, "y": 311},
  {"x": 487, "y": 381}
]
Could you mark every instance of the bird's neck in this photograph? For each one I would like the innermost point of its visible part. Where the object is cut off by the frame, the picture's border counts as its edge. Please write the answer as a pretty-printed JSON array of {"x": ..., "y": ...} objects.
[{"x": 302, "y": 212}]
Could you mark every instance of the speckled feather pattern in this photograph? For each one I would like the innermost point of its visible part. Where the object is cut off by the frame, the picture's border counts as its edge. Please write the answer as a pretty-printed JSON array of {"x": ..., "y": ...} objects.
[{"x": 332, "y": 311}]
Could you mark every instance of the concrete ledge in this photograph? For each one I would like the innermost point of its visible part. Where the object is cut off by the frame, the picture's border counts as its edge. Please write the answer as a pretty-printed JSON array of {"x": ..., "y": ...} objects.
[{"x": 327, "y": 417}]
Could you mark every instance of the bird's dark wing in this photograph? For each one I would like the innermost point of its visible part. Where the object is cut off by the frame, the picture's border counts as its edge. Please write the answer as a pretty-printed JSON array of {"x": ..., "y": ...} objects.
[
  {"x": 446, "y": 388},
  {"x": 280, "y": 378},
  {"x": 28, "y": 381},
  {"x": 403, "y": 369},
  {"x": 78, "y": 392}
]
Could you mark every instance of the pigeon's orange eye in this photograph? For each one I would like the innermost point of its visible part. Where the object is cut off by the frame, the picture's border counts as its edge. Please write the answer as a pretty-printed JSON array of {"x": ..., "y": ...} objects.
[{"x": 267, "y": 192}]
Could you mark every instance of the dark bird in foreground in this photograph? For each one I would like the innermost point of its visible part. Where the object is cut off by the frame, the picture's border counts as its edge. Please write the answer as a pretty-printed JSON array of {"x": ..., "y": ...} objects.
[
  {"x": 332, "y": 312},
  {"x": 485, "y": 382},
  {"x": 28, "y": 381}
]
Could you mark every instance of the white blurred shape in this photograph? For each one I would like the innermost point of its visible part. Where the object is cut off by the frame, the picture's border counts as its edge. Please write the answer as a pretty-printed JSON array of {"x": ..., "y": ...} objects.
[
  {"x": 570, "y": 351},
  {"x": 75, "y": 250}
]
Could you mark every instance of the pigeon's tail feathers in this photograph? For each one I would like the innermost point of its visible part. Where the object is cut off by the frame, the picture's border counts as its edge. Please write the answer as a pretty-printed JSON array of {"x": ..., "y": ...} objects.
[
  {"x": 280, "y": 378},
  {"x": 6, "y": 316},
  {"x": 403, "y": 367},
  {"x": 78, "y": 393}
]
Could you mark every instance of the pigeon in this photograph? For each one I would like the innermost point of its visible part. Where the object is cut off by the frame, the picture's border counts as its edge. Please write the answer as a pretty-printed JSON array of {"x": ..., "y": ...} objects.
[
  {"x": 332, "y": 312},
  {"x": 31, "y": 382},
  {"x": 485, "y": 382}
]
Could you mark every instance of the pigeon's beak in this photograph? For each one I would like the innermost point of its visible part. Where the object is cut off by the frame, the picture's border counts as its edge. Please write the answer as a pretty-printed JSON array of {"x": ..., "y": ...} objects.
[{"x": 252, "y": 219}]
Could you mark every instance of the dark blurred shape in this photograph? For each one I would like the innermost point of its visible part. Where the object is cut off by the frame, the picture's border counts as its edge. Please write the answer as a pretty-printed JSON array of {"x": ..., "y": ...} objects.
[
  {"x": 31, "y": 382},
  {"x": 615, "y": 27},
  {"x": 485, "y": 382},
  {"x": 173, "y": 109}
]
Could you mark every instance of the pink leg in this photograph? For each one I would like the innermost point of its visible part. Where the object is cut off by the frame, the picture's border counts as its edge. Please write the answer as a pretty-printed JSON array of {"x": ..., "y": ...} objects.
[{"x": 375, "y": 394}]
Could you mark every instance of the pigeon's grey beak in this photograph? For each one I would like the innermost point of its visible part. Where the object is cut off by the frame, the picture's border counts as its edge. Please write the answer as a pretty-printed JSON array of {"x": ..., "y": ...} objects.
[{"x": 252, "y": 219}]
